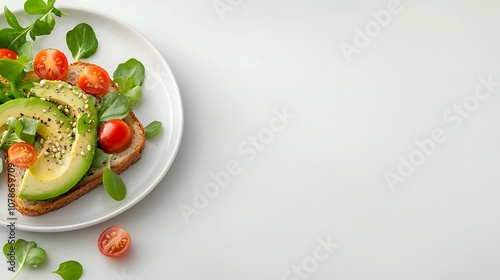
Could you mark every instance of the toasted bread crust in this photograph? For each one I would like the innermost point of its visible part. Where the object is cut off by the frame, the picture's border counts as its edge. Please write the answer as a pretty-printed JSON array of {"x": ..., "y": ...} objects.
[{"x": 92, "y": 179}]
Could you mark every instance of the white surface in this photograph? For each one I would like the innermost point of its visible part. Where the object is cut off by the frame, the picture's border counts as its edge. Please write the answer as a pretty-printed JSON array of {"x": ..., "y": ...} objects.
[
  {"x": 161, "y": 102},
  {"x": 322, "y": 175}
]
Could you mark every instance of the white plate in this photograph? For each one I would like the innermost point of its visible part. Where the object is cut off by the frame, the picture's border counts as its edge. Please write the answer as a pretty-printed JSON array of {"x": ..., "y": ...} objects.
[{"x": 160, "y": 101}]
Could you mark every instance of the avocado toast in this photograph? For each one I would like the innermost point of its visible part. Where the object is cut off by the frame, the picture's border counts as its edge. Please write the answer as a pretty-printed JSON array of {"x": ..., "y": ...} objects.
[{"x": 66, "y": 176}]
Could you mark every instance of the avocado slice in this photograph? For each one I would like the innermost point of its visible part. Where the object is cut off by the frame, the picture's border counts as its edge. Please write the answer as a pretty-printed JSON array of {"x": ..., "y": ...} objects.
[{"x": 69, "y": 128}]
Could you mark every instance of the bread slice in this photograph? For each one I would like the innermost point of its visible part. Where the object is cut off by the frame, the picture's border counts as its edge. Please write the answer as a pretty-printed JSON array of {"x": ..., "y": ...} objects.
[{"x": 92, "y": 179}]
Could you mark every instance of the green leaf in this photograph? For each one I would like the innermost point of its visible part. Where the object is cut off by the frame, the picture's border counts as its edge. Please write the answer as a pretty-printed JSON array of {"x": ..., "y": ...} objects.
[
  {"x": 70, "y": 270},
  {"x": 152, "y": 129},
  {"x": 11, "y": 19},
  {"x": 15, "y": 37},
  {"x": 26, "y": 50},
  {"x": 43, "y": 27},
  {"x": 99, "y": 158},
  {"x": 128, "y": 76},
  {"x": 18, "y": 131},
  {"x": 12, "y": 70},
  {"x": 10, "y": 38},
  {"x": 113, "y": 184},
  {"x": 133, "y": 95},
  {"x": 34, "y": 7},
  {"x": 82, "y": 41},
  {"x": 28, "y": 132},
  {"x": 114, "y": 106},
  {"x": 83, "y": 124},
  {"x": 35, "y": 256},
  {"x": 26, "y": 253},
  {"x": 8, "y": 249}
]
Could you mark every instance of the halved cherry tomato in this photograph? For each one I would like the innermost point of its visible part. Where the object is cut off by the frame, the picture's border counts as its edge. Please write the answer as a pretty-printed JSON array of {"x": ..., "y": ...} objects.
[
  {"x": 115, "y": 136},
  {"x": 50, "y": 64},
  {"x": 94, "y": 80},
  {"x": 22, "y": 154},
  {"x": 113, "y": 242},
  {"x": 6, "y": 53}
]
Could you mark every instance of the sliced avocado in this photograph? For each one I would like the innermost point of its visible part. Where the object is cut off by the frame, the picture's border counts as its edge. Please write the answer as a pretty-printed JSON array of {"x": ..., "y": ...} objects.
[{"x": 74, "y": 132}]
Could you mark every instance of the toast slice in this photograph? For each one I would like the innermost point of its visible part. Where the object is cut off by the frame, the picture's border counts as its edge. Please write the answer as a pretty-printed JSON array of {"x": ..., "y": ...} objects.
[{"x": 92, "y": 179}]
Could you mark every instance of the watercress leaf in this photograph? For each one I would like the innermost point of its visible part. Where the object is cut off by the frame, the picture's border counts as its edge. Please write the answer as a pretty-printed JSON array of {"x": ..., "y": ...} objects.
[
  {"x": 8, "y": 248},
  {"x": 133, "y": 95},
  {"x": 10, "y": 139},
  {"x": 113, "y": 184},
  {"x": 34, "y": 7},
  {"x": 28, "y": 132},
  {"x": 43, "y": 27},
  {"x": 51, "y": 3},
  {"x": 129, "y": 74},
  {"x": 99, "y": 158},
  {"x": 114, "y": 106},
  {"x": 36, "y": 256},
  {"x": 26, "y": 50},
  {"x": 152, "y": 128},
  {"x": 124, "y": 84},
  {"x": 11, "y": 19},
  {"x": 4, "y": 97},
  {"x": 15, "y": 89},
  {"x": 17, "y": 127},
  {"x": 22, "y": 249},
  {"x": 70, "y": 270},
  {"x": 12, "y": 70},
  {"x": 81, "y": 41},
  {"x": 8, "y": 37},
  {"x": 57, "y": 12},
  {"x": 83, "y": 124},
  {"x": 14, "y": 124}
]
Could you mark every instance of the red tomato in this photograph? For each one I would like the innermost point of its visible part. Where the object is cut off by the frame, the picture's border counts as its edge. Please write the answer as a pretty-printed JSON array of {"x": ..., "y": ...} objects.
[
  {"x": 113, "y": 242},
  {"x": 50, "y": 64},
  {"x": 94, "y": 80},
  {"x": 115, "y": 136},
  {"x": 22, "y": 154},
  {"x": 6, "y": 53}
]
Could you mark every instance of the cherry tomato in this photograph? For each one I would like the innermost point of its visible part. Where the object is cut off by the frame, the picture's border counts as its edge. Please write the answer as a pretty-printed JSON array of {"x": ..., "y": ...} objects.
[
  {"x": 94, "y": 80},
  {"x": 50, "y": 64},
  {"x": 6, "y": 53},
  {"x": 115, "y": 136},
  {"x": 22, "y": 154},
  {"x": 113, "y": 242}
]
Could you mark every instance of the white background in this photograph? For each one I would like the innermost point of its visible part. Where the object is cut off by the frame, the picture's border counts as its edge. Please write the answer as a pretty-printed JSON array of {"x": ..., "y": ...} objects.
[{"x": 321, "y": 176}]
